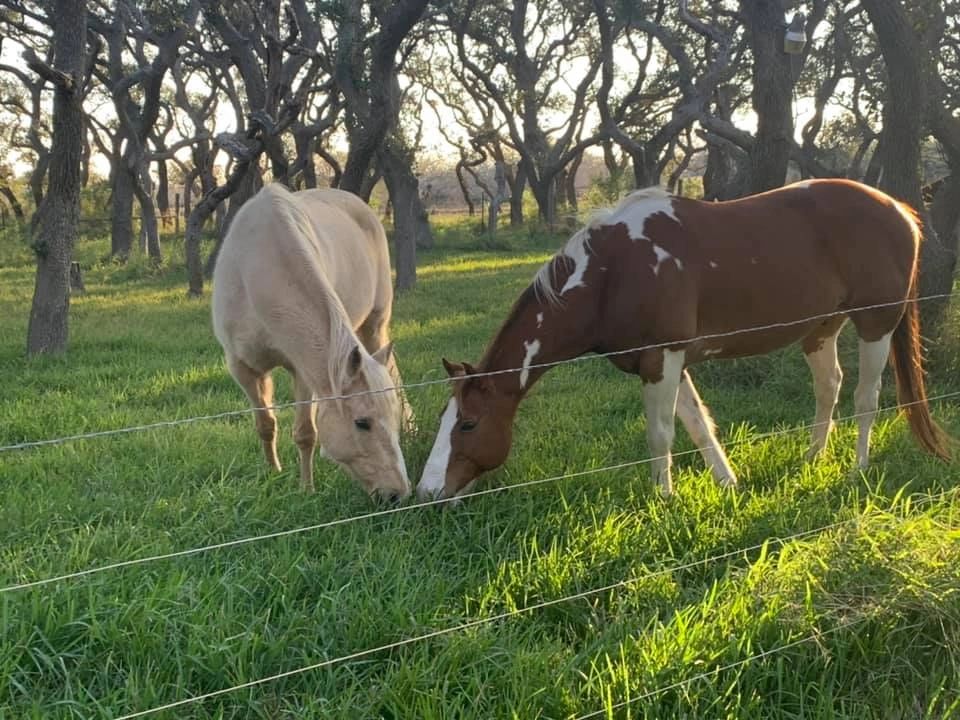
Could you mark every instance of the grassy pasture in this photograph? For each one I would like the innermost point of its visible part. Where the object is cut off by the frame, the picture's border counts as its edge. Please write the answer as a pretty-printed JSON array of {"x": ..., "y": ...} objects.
[{"x": 867, "y": 612}]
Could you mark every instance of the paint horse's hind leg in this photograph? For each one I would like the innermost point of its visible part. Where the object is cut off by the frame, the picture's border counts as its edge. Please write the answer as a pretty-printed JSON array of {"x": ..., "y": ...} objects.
[
  {"x": 660, "y": 402},
  {"x": 820, "y": 351},
  {"x": 873, "y": 358},
  {"x": 259, "y": 388},
  {"x": 305, "y": 431},
  {"x": 699, "y": 425}
]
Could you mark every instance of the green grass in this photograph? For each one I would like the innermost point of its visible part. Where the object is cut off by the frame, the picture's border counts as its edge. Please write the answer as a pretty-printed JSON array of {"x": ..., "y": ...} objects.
[{"x": 879, "y": 593}]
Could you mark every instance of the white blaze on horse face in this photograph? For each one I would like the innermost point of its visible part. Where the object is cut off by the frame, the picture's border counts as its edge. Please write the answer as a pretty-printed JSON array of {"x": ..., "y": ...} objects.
[
  {"x": 532, "y": 349},
  {"x": 713, "y": 264},
  {"x": 539, "y": 320},
  {"x": 435, "y": 471}
]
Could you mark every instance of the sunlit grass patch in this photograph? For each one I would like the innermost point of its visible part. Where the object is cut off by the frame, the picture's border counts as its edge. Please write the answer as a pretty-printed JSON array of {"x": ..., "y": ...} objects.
[{"x": 667, "y": 591}]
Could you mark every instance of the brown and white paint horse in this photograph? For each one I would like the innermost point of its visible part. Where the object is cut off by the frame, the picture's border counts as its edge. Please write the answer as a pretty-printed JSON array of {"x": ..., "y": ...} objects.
[
  {"x": 659, "y": 269},
  {"x": 303, "y": 282}
]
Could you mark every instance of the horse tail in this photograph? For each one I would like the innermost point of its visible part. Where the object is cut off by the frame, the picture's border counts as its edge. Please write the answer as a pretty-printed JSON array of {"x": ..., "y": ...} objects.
[{"x": 911, "y": 389}]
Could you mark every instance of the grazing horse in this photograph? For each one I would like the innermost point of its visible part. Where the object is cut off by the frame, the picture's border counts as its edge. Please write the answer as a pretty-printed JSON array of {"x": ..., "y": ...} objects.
[
  {"x": 685, "y": 276},
  {"x": 303, "y": 282}
]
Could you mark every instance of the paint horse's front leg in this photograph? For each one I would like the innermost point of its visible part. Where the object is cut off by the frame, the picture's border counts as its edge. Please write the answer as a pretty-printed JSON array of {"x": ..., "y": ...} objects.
[
  {"x": 660, "y": 402},
  {"x": 700, "y": 427}
]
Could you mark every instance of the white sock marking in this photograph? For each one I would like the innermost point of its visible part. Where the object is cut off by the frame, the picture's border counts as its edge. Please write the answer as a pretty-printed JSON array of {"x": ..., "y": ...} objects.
[{"x": 660, "y": 401}]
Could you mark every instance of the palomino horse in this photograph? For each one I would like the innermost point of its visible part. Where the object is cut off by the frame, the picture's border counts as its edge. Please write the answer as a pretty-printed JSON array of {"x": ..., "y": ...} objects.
[
  {"x": 303, "y": 282},
  {"x": 668, "y": 271}
]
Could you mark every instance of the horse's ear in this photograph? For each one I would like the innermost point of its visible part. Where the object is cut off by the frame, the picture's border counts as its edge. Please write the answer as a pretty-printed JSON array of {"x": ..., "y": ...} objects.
[
  {"x": 382, "y": 355},
  {"x": 354, "y": 360},
  {"x": 469, "y": 369},
  {"x": 453, "y": 369}
]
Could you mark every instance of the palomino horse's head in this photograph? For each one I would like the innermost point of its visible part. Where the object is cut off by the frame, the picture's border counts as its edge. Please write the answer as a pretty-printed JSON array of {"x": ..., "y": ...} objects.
[
  {"x": 362, "y": 432},
  {"x": 476, "y": 430}
]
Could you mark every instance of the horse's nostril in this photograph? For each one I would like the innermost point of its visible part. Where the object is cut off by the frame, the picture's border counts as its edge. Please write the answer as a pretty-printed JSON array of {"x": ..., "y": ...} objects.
[{"x": 393, "y": 498}]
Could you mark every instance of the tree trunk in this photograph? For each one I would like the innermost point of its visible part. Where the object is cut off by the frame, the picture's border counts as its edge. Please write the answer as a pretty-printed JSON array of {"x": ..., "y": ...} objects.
[
  {"x": 908, "y": 71},
  {"x": 570, "y": 187},
  {"x": 644, "y": 170},
  {"x": 188, "y": 193},
  {"x": 517, "y": 188},
  {"x": 404, "y": 190},
  {"x": 14, "y": 203},
  {"x": 148, "y": 217},
  {"x": 58, "y": 219},
  {"x": 772, "y": 93},
  {"x": 121, "y": 213},
  {"x": 545, "y": 193},
  {"x": 246, "y": 187},
  {"x": 499, "y": 195},
  {"x": 424, "y": 231},
  {"x": 37, "y": 177},
  {"x": 163, "y": 192},
  {"x": 203, "y": 210},
  {"x": 945, "y": 212}
]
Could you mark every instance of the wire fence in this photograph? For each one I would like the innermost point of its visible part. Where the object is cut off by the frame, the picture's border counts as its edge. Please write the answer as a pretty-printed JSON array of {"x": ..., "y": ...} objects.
[
  {"x": 407, "y": 508},
  {"x": 428, "y": 503},
  {"x": 550, "y": 603},
  {"x": 427, "y": 383}
]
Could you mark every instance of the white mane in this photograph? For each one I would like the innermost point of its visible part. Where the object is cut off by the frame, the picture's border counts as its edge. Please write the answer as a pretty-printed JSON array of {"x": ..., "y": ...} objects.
[{"x": 579, "y": 242}]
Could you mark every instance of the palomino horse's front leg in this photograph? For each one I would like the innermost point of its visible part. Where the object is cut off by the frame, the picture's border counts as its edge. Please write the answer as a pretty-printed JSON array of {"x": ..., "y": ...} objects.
[
  {"x": 259, "y": 388},
  {"x": 700, "y": 427},
  {"x": 305, "y": 431},
  {"x": 660, "y": 401}
]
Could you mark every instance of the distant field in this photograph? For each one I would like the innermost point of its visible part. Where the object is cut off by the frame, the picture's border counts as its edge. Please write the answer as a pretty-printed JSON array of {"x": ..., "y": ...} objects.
[{"x": 860, "y": 620}]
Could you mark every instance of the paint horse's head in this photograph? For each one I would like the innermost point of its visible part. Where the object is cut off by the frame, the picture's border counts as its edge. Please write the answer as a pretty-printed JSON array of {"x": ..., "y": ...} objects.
[
  {"x": 362, "y": 432},
  {"x": 476, "y": 430}
]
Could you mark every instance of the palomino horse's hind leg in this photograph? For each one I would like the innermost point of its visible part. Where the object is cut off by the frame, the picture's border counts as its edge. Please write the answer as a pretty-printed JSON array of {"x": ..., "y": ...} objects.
[
  {"x": 699, "y": 425},
  {"x": 820, "y": 352},
  {"x": 305, "y": 431},
  {"x": 660, "y": 402},
  {"x": 873, "y": 358},
  {"x": 259, "y": 388}
]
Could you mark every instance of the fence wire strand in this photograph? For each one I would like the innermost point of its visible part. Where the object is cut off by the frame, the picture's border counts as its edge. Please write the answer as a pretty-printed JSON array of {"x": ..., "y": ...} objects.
[
  {"x": 723, "y": 668},
  {"x": 532, "y": 608},
  {"x": 438, "y": 501},
  {"x": 426, "y": 383}
]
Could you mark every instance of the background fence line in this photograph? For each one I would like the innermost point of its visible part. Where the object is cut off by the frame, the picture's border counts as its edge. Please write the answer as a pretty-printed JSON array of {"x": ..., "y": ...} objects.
[{"x": 427, "y": 383}]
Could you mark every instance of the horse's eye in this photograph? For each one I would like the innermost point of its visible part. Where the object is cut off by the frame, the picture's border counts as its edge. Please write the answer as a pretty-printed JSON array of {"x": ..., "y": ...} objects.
[
  {"x": 362, "y": 423},
  {"x": 468, "y": 425}
]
